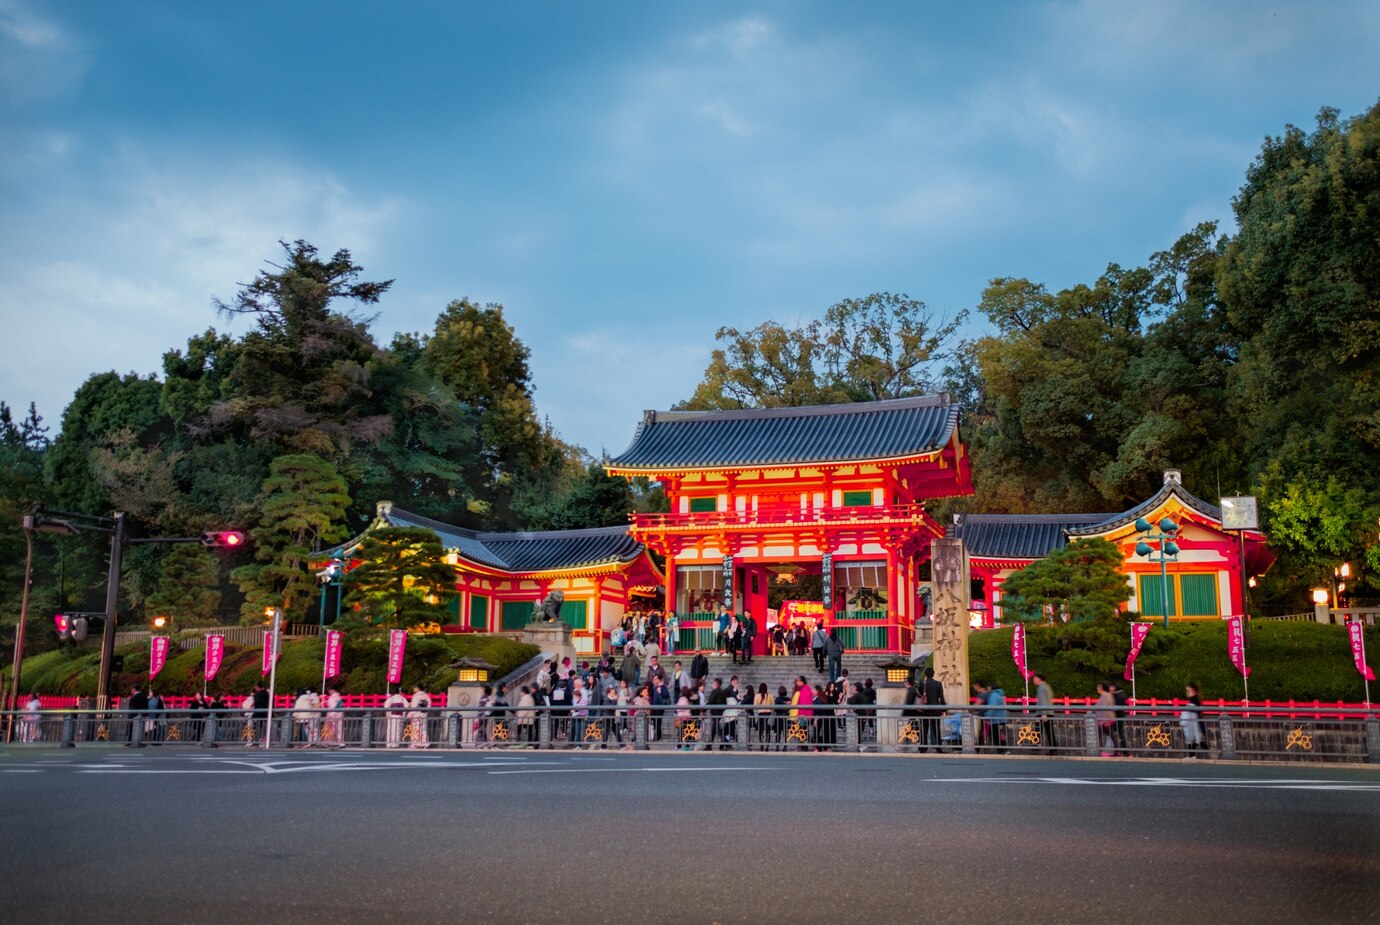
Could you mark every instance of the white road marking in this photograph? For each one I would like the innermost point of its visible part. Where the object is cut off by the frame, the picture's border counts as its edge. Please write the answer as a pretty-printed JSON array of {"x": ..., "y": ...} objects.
[
  {"x": 1189, "y": 782},
  {"x": 21, "y": 770},
  {"x": 627, "y": 770},
  {"x": 293, "y": 767}
]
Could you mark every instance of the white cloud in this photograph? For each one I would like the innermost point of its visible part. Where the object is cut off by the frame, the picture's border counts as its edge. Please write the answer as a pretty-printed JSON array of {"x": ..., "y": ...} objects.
[
  {"x": 738, "y": 38},
  {"x": 112, "y": 272},
  {"x": 39, "y": 60}
]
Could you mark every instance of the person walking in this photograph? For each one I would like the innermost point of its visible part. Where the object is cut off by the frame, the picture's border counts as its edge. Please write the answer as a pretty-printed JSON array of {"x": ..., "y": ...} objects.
[
  {"x": 333, "y": 732},
  {"x": 417, "y": 717},
  {"x": 1106, "y": 720},
  {"x": 818, "y": 641},
  {"x": 672, "y": 629},
  {"x": 1044, "y": 708},
  {"x": 30, "y": 728},
  {"x": 526, "y": 717},
  {"x": 834, "y": 649},
  {"x": 1191, "y": 722}
]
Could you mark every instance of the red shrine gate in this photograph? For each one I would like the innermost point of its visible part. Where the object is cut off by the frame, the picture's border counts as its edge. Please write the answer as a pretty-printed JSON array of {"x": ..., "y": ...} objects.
[{"x": 770, "y": 496}]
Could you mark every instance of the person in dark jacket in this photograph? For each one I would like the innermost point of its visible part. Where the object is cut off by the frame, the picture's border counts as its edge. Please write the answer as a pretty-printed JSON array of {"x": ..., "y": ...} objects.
[
  {"x": 699, "y": 668},
  {"x": 138, "y": 705},
  {"x": 932, "y": 696},
  {"x": 716, "y": 702}
]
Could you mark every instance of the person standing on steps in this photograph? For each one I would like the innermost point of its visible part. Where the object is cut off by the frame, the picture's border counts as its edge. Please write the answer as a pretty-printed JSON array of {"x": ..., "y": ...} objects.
[
  {"x": 749, "y": 634},
  {"x": 818, "y": 641},
  {"x": 699, "y": 669},
  {"x": 834, "y": 649}
]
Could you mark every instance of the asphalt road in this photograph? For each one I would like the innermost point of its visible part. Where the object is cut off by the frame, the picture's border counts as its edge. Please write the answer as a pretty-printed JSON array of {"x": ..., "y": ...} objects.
[{"x": 113, "y": 835}]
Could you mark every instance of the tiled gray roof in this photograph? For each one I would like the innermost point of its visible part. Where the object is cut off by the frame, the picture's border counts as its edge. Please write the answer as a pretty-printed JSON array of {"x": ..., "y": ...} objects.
[
  {"x": 523, "y": 552},
  {"x": 1169, "y": 489},
  {"x": 670, "y": 440},
  {"x": 1018, "y": 536}
]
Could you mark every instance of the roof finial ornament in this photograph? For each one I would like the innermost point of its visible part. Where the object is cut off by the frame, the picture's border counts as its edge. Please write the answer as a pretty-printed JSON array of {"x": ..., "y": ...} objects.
[
  {"x": 1173, "y": 477},
  {"x": 383, "y": 509}
]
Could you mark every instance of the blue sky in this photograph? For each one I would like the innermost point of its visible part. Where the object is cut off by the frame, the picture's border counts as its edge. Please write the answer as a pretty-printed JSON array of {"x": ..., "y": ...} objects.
[{"x": 624, "y": 178}]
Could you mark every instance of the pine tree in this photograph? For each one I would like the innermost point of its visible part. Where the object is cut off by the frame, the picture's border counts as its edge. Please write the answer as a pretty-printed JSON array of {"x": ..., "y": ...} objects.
[
  {"x": 400, "y": 579},
  {"x": 304, "y": 504}
]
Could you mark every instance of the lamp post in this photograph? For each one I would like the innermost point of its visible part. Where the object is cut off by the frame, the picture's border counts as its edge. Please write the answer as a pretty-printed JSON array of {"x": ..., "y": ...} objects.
[
  {"x": 1165, "y": 551},
  {"x": 1339, "y": 576}
]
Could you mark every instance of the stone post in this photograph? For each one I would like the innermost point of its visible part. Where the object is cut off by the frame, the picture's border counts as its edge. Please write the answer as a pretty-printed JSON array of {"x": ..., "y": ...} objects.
[
  {"x": 949, "y": 565},
  {"x": 555, "y": 638},
  {"x": 463, "y": 696}
]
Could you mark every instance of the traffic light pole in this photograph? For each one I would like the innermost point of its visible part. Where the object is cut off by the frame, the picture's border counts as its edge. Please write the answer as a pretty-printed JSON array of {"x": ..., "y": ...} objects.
[
  {"x": 13, "y": 696},
  {"x": 112, "y": 596}
]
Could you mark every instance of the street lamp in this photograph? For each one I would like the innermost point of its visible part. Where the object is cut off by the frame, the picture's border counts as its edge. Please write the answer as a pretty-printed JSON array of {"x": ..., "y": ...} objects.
[
  {"x": 1339, "y": 576},
  {"x": 1164, "y": 552}
]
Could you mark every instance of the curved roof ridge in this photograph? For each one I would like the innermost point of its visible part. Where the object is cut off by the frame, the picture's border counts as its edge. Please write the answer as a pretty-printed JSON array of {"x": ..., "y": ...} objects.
[
  {"x": 512, "y": 535},
  {"x": 793, "y": 411},
  {"x": 1167, "y": 490},
  {"x": 896, "y": 429}
]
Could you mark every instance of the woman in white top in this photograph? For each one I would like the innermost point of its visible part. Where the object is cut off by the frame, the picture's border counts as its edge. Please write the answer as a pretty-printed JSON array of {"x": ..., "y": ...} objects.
[
  {"x": 418, "y": 716},
  {"x": 333, "y": 733},
  {"x": 32, "y": 730}
]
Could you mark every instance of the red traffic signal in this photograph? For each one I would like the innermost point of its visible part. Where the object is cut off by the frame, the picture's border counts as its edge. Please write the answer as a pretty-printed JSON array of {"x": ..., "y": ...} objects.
[
  {"x": 225, "y": 538},
  {"x": 63, "y": 624}
]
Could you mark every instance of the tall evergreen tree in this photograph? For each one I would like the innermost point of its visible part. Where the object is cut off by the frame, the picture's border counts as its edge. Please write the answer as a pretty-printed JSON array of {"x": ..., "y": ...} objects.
[
  {"x": 303, "y": 507},
  {"x": 400, "y": 579}
]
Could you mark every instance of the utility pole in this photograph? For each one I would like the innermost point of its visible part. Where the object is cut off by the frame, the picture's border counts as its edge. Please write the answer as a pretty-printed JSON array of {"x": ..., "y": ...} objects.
[{"x": 112, "y": 596}]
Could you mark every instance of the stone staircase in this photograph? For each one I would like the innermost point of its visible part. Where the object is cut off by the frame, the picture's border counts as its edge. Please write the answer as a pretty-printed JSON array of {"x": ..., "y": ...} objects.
[{"x": 779, "y": 670}]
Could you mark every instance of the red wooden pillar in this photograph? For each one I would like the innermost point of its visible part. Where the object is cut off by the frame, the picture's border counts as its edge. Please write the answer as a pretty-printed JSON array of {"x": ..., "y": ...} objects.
[{"x": 893, "y": 576}]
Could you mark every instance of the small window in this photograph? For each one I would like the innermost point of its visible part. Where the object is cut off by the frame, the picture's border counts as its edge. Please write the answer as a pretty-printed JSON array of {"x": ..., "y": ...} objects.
[
  {"x": 703, "y": 505},
  {"x": 857, "y": 498}
]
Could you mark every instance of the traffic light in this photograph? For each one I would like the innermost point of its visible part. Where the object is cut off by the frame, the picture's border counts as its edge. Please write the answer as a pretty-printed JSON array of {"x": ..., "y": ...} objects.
[
  {"x": 223, "y": 538},
  {"x": 79, "y": 629},
  {"x": 64, "y": 626}
]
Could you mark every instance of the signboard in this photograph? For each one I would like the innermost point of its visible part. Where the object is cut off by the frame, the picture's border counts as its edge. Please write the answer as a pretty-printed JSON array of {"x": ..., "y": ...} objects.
[
  {"x": 728, "y": 582},
  {"x": 809, "y": 611},
  {"x": 827, "y": 584}
]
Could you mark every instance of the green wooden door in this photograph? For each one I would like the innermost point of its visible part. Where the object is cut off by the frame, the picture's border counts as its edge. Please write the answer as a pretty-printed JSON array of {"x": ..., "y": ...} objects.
[
  {"x": 516, "y": 614},
  {"x": 574, "y": 613},
  {"x": 479, "y": 612}
]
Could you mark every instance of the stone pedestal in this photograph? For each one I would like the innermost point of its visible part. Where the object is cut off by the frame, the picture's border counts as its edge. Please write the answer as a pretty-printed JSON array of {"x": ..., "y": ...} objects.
[
  {"x": 1322, "y": 613},
  {"x": 465, "y": 695},
  {"x": 949, "y": 564},
  {"x": 555, "y": 638}
]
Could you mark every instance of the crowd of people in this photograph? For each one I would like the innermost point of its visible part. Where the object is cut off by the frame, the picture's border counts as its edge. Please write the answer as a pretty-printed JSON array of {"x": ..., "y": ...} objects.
[{"x": 600, "y": 705}]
